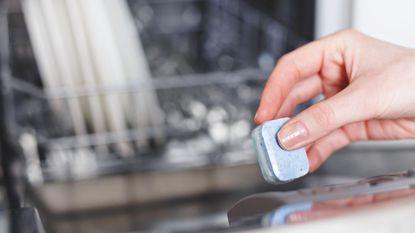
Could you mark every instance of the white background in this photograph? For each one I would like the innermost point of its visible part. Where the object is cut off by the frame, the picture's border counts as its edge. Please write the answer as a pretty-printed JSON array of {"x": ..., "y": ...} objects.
[{"x": 390, "y": 20}]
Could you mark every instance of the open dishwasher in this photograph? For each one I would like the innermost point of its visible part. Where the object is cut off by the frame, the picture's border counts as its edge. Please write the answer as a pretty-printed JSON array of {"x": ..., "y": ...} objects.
[{"x": 108, "y": 105}]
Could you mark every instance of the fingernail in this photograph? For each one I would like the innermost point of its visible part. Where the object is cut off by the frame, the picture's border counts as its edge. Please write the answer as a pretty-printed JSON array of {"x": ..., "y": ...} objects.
[{"x": 292, "y": 135}]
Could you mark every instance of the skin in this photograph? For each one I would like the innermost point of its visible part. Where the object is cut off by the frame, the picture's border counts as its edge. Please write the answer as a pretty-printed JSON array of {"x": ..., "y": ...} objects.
[
  {"x": 336, "y": 207},
  {"x": 369, "y": 90}
]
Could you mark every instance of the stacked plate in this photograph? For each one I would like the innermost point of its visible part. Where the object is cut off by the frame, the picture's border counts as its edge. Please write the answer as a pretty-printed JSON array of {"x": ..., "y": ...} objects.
[{"x": 94, "y": 43}]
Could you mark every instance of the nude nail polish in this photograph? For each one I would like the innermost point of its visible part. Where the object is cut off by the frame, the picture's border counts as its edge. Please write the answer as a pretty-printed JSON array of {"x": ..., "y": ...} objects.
[{"x": 292, "y": 135}]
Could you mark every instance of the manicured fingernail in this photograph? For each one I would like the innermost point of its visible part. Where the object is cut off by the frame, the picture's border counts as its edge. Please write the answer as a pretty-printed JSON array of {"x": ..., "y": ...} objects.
[{"x": 293, "y": 135}]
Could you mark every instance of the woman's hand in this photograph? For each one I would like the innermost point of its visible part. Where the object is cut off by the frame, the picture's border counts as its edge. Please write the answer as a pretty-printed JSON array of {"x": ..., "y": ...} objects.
[{"x": 369, "y": 89}]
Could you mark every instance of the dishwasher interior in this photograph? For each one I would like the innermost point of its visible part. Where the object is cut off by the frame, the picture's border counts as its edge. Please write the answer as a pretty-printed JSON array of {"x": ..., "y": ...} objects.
[
  {"x": 164, "y": 147},
  {"x": 175, "y": 148}
]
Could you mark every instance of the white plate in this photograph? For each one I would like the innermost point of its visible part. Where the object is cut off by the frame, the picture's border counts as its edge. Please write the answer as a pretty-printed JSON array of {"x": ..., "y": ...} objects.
[
  {"x": 147, "y": 110},
  {"x": 108, "y": 65},
  {"x": 60, "y": 38},
  {"x": 53, "y": 56},
  {"x": 41, "y": 46},
  {"x": 47, "y": 50},
  {"x": 95, "y": 114}
]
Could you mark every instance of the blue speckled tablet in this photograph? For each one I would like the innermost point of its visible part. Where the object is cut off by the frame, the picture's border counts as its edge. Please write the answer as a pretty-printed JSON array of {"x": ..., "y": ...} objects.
[{"x": 278, "y": 165}]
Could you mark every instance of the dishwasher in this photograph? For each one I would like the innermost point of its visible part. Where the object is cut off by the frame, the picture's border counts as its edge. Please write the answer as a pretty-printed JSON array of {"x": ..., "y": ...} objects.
[
  {"x": 208, "y": 60},
  {"x": 168, "y": 149}
]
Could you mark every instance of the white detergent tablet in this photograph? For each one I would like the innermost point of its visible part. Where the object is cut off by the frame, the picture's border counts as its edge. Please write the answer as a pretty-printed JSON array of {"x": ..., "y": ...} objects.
[{"x": 278, "y": 165}]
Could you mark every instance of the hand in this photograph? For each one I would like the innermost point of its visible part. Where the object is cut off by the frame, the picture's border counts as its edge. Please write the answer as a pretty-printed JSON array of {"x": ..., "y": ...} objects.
[{"x": 369, "y": 90}]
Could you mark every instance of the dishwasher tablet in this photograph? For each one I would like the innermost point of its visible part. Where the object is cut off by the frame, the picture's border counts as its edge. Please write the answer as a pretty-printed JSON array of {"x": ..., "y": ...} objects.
[{"x": 278, "y": 165}]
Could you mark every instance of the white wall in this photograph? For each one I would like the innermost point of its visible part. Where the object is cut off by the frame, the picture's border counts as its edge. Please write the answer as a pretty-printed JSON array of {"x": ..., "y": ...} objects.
[
  {"x": 332, "y": 15},
  {"x": 390, "y": 20}
]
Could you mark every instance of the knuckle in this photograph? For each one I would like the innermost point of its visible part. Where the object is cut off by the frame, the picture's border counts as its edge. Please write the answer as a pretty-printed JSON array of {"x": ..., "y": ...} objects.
[
  {"x": 295, "y": 99},
  {"x": 284, "y": 59},
  {"x": 323, "y": 115},
  {"x": 288, "y": 61},
  {"x": 347, "y": 37},
  {"x": 348, "y": 33}
]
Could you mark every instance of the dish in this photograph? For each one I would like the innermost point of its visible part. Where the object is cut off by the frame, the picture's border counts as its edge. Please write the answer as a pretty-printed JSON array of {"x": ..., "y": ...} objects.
[
  {"x": 48, "y": 46},
  {"x": 96, "y": 116},
  {"x": 147, "y": 114},
  {"x": 62, "y": 46},
  {"x": 107, "y": 63},
  {"x": 41, "y": 45},
  {"x": 91, "y": 43}
]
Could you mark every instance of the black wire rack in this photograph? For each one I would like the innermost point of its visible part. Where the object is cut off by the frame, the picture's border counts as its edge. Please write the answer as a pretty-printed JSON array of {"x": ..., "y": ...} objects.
[{"x": 209, "y": 61}]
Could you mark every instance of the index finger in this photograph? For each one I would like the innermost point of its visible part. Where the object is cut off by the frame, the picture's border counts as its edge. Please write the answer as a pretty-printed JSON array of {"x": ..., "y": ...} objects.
[{"x": 290, "y": 69}]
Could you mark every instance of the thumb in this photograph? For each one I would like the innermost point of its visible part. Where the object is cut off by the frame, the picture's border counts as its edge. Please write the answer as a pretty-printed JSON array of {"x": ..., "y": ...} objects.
[{"x": 345, "y": 107}]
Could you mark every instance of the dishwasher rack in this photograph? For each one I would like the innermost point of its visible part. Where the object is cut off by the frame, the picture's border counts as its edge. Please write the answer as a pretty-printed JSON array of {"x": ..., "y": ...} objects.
[{"x": 209, "y": 60}]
